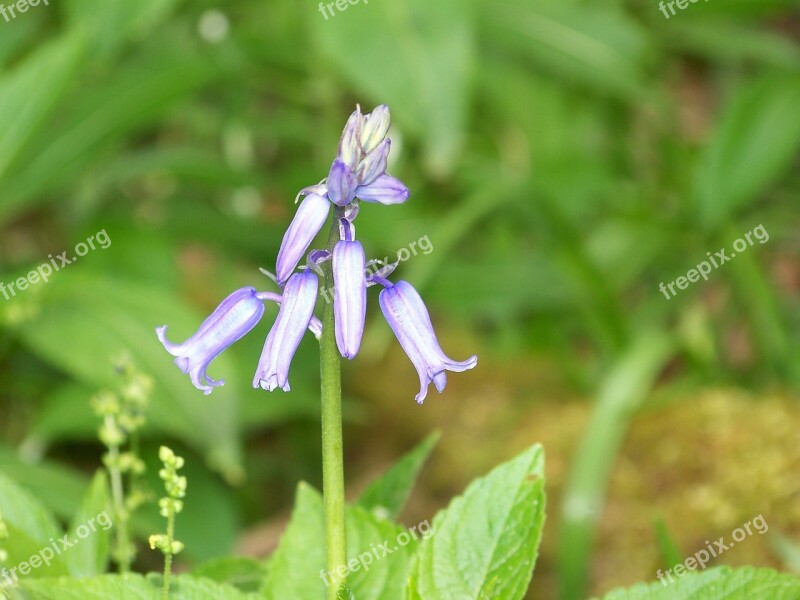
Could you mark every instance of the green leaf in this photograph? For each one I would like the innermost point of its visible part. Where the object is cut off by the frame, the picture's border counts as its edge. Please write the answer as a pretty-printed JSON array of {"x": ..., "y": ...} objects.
[
  {"x": 41, "y": 478},
  {"x": 129, "y": 587},
  {"x": 140, "y": 93},
  {"x": 757, "y": 139},
  {"x": 89, "y": 556},
  {"x": 432, "y": 47},
  {"x": 244, "y": 573},
  {"x": 593, "y": 45},
  {"x": 484, "y": 545},
  {"x": 31, "y": 92},
  {"x": 32, "y": 529},
  {"x": 388, "y": 494},
  {"x": 721, "y": 583},
  {"x": 110, "y": 22},
  {"x": 670, "y": 551},
  {"x": 297, "y": 569}
]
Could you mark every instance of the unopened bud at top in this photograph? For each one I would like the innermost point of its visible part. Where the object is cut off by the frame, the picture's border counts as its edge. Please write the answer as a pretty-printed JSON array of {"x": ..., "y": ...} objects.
[
  {"x": 375, "y": 127},
  {"x": 349, "y": 144}
]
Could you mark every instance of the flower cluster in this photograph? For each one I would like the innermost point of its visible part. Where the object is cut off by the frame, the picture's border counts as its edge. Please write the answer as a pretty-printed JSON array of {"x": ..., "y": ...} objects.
[{"x": 358, "y": 174}]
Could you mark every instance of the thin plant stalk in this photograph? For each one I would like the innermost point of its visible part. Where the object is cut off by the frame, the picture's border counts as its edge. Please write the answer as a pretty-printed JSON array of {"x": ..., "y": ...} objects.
[{"x": 332, "y": 444}]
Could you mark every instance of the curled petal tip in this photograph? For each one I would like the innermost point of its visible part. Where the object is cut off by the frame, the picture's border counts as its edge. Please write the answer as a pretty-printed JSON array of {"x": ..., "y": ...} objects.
[
  {"x": 230, "y": 321},
  {"x": 409, "y": 319},
  {"x": 294, "y": 317}
]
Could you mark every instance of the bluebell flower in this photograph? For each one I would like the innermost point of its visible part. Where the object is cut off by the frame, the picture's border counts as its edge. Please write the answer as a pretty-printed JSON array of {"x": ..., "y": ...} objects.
[
  {"x": 309, "y": 219},
  {"x": 409, "y": 319},
  {"x": 350, "y": 296},
  {"x": 230, "y": 321},
  {"x": 294, "y": 317}
]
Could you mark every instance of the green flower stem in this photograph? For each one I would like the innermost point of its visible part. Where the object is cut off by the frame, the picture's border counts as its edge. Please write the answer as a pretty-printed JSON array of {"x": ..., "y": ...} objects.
[
  {"x": 123, "y": 553},
  {"x": 168, "y": 555},
  {"x": 332, "y": 445}
]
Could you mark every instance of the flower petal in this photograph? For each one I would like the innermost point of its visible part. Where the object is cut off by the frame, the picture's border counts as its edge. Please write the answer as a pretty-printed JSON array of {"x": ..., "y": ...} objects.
[
  {"x": 374, "y": 165},
  {"x": 342, "y": 184},
  {"x": 309, "y": 219},
  {"x": 294, "y": 317},
  {"x": 384, "y": 190},
  {"x": 350, "y": 296},
  {"x": 410, "y": 321},
  {"x": 376, "y": 126},
  {"x": 350, "y": 142}
]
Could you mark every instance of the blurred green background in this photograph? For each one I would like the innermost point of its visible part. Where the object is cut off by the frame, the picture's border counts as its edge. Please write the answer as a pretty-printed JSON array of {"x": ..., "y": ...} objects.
[{"x": 565, "y": 157}]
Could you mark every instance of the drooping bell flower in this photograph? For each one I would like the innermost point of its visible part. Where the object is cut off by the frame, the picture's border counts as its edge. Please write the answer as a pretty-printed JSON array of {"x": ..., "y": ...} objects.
[
  {"x": 350, "y": 296},
  {"x": 309, "y": 219},
  {"x": 409, "y": 319},
  {"x": 230, "y": 321},
  {"x": 294, "y": 317}
]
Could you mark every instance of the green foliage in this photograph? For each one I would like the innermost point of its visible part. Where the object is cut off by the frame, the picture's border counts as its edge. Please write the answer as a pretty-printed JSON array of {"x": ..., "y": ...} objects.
[
  {"x": 485, "y": 544},
  {"x": 565, "y": 157},
  {"x": 30, "y": 527},
  {"x": 388, "y": 494},
  {"x": 757, "y": 139},
  {"x": 720, "y": 583},
  {"x": 90, "y": 557},
  {"x": 125, "y": 586}
]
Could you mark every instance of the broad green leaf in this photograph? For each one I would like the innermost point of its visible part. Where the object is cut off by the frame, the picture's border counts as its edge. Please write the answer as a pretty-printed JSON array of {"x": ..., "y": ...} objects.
[
  {"x": 388, "y": 494},
  {"x": 31, "y": 92},
  {"x": 140, "y": 92},
  {"x": 32, "y": 531},
  {"x": 592, "y": 45},
  {"x": 40, "y": 478},
  {"x": 109, "y": 23},
  {"x": 432, "y": 50},
  {"x": 297, "y": 569},
  {"x": 757, "y": 138},
  {"x": 733, "y": 42},
  {"x": 484, "y": 545},
  {"x": 721, "y": 583},
  {"x": 126, "y": 587},
  {"x": 245, "y": 573},
  {"x": 92, "y": 524}
]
